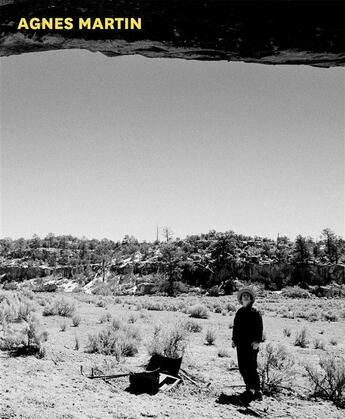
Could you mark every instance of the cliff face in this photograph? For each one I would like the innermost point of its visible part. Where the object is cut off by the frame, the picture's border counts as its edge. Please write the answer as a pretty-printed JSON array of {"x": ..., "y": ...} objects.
[{"x": 269, "y": 32}]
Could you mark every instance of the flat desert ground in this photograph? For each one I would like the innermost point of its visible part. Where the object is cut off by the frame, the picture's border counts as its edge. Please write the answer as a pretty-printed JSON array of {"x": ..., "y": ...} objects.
[{"x": 53, "y": 387}]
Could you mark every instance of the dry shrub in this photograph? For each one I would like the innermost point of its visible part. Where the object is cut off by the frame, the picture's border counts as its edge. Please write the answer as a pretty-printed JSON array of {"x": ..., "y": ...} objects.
[
  {"x": 104, "y": 342},
  {"x": 214, "y": 291},
  {"x": 287, "y": 332},
  {"x": 118, "y": 342},
  {"x": 105, "y": 318},
  {"x": 231, "y": 308},
  {"x": 41, "y": 301},
  {"x": 168, "y": 342},
  {"x": 313, "y": 316},
  {"x": 8, "y": 312},
  {"x": 101, "y": 303},
  {"x": 330, "y": 316},
  {"x": 10, "y": 286},
  {"x": 103, "y": 289},
  {"x": 210, "y": 336},
  {"x": 155, "y": 345},
  {"x": 328, "y": 378},
  {"x": 24, "y": 310},
  {"x": 192, "y": 326},
  {"x": 199, "y": 311},
  {"x": 223, "y": 353},
  {"x": 63, "y": 326},
  {"x": 287, "y": 313},
  {"x": 60, "y": 307},
  {"x": 76, "y": 319},
  {"x": 11, "y": 339},
  {"x": 129, "y": 343},
  {"x": 46, "y": 285},
  {"x": 319, "y": 344},
  {"x": 28, "y": 341},
  {"x": 65, "y": 308},
  {"x": 296, "y": 292},
  {"x": 175, "y": 343},
  {"x": 153, "y": 306},
  {"x": 49, "y": 310},
  {"x": 301, "y": 338},
  {"x": 333, "y": 341},
  {"x": 275, "y": 366},
  {"x": 15, "y": 307}
]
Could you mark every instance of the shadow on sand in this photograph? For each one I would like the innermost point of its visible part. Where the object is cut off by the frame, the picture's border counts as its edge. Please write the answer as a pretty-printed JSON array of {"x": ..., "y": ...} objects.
[
  {"x": 138, "y": 391},
  {"x": 234, "y": 399},
  {"x": 237, "y": 400}
]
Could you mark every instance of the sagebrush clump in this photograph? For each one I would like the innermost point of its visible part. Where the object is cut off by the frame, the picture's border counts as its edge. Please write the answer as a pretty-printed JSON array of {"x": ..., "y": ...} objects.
[
  {"x": 27, "y": 341},
  {"x": 301, "y": 338},
  {"x": 76, "y": 319},
  {"x": 211, "y": 336},
  {"x": 199, "y": 311},
  {"x": 117, "y": 341},
  {"x": 319, "y": 344},
  {"x": 276, "y": 368},
  {"x": 60, "y": 307},
  {"x": 327, "y": 379},
  {"x": 192, "y": 326},
  {"x": 15, "y": 308},
  {"x": 170, "y": 342}
]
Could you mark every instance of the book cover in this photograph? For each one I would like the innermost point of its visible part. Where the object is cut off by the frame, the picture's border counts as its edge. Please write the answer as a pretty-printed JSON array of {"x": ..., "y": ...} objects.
[{"x": 172, "y": 209}]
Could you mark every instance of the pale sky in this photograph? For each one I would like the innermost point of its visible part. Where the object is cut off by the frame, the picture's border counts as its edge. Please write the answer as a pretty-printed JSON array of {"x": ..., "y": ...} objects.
[{"x": 104, "y": 147}]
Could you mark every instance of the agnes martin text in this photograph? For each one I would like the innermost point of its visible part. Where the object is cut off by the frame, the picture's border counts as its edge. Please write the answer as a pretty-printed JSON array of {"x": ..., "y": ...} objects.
[{"x": 81, "y": 23}]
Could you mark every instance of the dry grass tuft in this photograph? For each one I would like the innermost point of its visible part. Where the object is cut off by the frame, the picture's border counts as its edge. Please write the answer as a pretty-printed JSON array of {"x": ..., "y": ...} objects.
[
  {"x": 192, "y": 326},
  {"x": 301, "y": 338},
  {"x": 199, "y": 311},
  {"x": 211, "y": 336}
]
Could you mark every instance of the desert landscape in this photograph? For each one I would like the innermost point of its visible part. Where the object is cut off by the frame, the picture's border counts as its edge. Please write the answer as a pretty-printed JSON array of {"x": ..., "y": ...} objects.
[
  {"x": 51, "y": 342},
  {"x": 213, "y": 116}
]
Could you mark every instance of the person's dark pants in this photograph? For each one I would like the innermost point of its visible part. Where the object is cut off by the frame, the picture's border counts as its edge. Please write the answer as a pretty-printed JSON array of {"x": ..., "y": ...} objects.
[{"x": 247, "y": 364}]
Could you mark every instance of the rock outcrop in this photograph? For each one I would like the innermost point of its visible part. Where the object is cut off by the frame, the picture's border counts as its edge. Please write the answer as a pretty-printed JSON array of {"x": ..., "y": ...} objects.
[{"x": 268, "y": 32}]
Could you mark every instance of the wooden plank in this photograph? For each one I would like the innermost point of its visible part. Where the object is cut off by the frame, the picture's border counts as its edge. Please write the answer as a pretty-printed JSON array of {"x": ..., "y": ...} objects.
[
  {"x": 108, "y": 376},
  {"x": 184, "y": 375}
]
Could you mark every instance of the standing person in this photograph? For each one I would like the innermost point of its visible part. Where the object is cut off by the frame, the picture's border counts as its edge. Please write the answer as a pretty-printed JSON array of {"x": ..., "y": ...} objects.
[{"x": 246, "y": 337}]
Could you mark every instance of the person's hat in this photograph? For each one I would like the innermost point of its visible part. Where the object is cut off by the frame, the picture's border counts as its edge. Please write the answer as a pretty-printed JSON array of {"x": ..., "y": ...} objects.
[{"x": 250, "y": 291}]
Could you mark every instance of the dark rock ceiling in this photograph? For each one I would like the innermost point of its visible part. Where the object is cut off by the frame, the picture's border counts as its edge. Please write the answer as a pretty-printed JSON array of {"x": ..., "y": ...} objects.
[{"x": 269, "y": 32}]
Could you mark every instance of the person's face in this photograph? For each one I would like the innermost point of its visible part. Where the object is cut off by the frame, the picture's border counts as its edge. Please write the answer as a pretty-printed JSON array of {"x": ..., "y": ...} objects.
[{"x": 246, "y": 299}]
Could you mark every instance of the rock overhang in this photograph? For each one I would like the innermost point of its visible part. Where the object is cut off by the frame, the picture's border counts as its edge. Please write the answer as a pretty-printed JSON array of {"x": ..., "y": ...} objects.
[{"x": 309, "y": 32}]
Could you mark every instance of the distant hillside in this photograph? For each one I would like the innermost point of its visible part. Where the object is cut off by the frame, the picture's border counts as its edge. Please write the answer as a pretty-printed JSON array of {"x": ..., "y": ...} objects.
[{"x": 202, "y": 260}]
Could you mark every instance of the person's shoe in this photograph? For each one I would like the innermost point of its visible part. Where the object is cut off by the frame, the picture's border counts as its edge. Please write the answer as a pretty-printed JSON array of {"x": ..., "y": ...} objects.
[
  {"x": 257, "y": 396},
  {"x": 247, "y": 397}
]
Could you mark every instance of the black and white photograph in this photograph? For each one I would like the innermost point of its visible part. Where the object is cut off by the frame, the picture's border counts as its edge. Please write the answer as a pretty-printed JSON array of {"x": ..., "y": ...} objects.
[{"x": 172, "y": 209}]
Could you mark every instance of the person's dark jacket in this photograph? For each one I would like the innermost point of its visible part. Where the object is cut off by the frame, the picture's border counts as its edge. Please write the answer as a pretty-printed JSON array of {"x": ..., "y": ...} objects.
[{"x": 247, "y": 326}]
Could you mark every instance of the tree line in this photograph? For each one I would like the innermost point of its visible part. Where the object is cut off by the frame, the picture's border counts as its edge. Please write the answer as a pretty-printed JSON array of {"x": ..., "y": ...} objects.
[{"x": 198, "y": 260}]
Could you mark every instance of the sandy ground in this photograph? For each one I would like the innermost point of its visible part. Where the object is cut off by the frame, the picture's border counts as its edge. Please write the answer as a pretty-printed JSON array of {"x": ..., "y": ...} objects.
[{"x": 53, "y": 387}]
